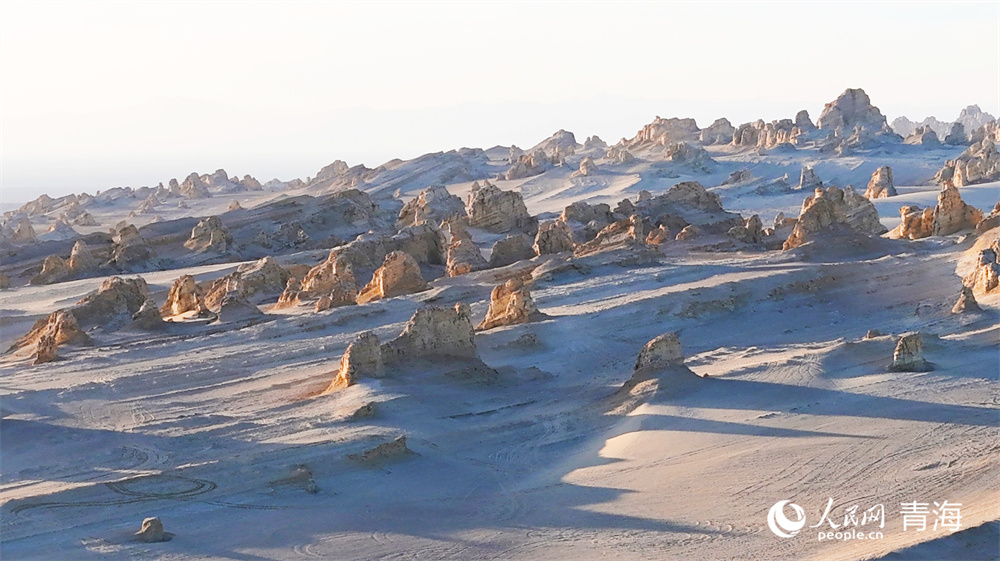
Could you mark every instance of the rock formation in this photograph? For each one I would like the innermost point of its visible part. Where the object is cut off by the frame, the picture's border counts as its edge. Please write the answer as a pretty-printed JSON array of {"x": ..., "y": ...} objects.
[
  {"x": 263, "y": 277},
  {"x": 803, "y": 121},
  {"x": 985, "y": 276},
  {"x": 880, "y": 185},
  {"x": 434, "y": 204},
  {"x": 511, "y": 249},
  {"x": 510, "y": 304},
  {"x": 915, "y": 223},
  {"x": 663, "y": 132},
  {"x": 952, "y": 214},
  {"x": 686, "y": 203},
  {"x": 58, "y": 328},
  {"x": 923, "y": 136},
  {"x": 619, "y": 155},
  {"x": 688, "y": 232},
  {"x": 828, "y": 207},
  {"x": 117, "y": 299},
  {"x": 434, "y": 332},
  {"x": 584, "y": 213},
  {"x": 990, "y": 221},
  {"x": 851, "y": 109},
  {"x": 587, "y": 167},
  {"x": 194, "y": 188},
  {"x": 629, "y": 233},
  {"x": 909, "y": 354},
  {"x": 463, "y": 255},
  {"x": 387, "y": 451},
  {"x": 4, "y": 282},
  {"x": 498, "y": 211},
  {"x": 689, "y": 155},
  {"x": 152, "y": 531},
  {"x": 808, "y": 180},
  {"x": 54, "y": 269},
  {"x": 209, "y": 235},
  {"x": 719, "y": 132},
  {"x": 148, "y": 317},
  {"x": 363, "y": 359},
  {"x": 185, "y": 295},
  {"x": 398, "y": 275},
  {"x": 129, "y": 250},
  {"x": 966, "y": 302},
  {"x": 662, "y": 352},
  {"x": 980, "y": 163},
  {"x": 763, "y": 135},
  {"x": 553, "y": 237},
  {"x": 658, "y": 236},
  {"x": 235, "y": 307},
  {"x": 81, "y": 259},
  {"x": 752, "y": 231}
]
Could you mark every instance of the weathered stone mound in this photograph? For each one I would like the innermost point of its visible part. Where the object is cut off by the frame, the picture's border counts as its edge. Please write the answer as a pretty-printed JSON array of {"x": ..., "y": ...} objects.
[
  {"x": 332, "y": 282},
  {"x": 129, "y": 250},
  {"x": 660, "y": 356},
  {"x": 209, "y": 235},
  {"x": 624, "y": 234},
  {"x": 117, "y": 299},
  {"x": 499, "y": 211},
  {"x": 751, "y": 231},
  {"x": 151, "y": 531},
  {"x": 767, "y": 135},
  {"x": 985, "y": 275},
  {"x": 909, "y": 354},
  {"x": 952, "y": 214},
  {"x": 915, "y": 223},
  {"x": 511, "y": 249},
  {"x": 398, "y": 275},
  {"x": 185, "y": 295},
  {"x": 553, "y": 237},
  {"x": 41, "y": 341},
  {"x": 808, "y": 180},
  {"x": 585, "y": 213},
  {"x": 263, "y": 278},
  {"x": 434, "y": 332},
  {"x": 719, "y": 132},
  {"x": 992, "y": 220},
  {"x": 363, "y": 359},
  {"x": 923, "y": 136},
  {"x": 20, "y": 233},
  {"x": 434, "y": 204},
  {"x": 828, "y": 207},
  {"x": 687, "y": 203},
  {"x": 148, "y": 317},
  {"x": 463, "y": 254},
  {"x": 235, "y": 307},
  {"x": 54, "y": 269},
  {"x": 880, "y": 185},
  {"x": 966, "y": 302},
  {"x": 510, "y": 304},
  {"x": 385, "y": 452},
  {"x": 852, "y": 109}
]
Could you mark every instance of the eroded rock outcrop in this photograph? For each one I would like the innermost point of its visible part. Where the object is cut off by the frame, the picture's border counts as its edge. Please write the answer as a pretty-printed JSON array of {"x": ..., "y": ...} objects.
[
  {"x": 661, "y": 356},
  {"x": 151, "y": 531},
  {"x": 686, "y": 203},
  {"x": 41, "y": 342},
  {"x": 185, "y": 295},
  {"x": 398, "y": 275},
  {"x": 463, "y": 255},
  {"x": 209, "y": 235},
  {"x": 511, "y": 249},
  {"x": 129, "y": 250},
  {"x": 434, "y": 204},
  {"x": 751, "y": 232},
  {"x": 966, "y": 302},
  {"x": 629, "y": 233},
  {"x": 262, "y": 278},
  {"x": 985, "y": 275},
  {"x": 362, "y": 359},
  {"x": 510, "y": 304},
  {"x": 829, "y": 207},
  {"x": 719, "y": 132},
  {"x": 385, "y": 452},
  {"x": 54, "y": 269},
  {"x": 980, "y": 163},
  {"x": 909, "y": 354},
  {"x": 952, "y": 214},
  {"x": 499, "y": 211},
  {"x": 81, "y": 259},
  {"x": 808, "y": 180},
  {"x": 553, "y": 237},
  {"x": 434, "y": 332},
  {"x": 148, "y": 317},
  {"x": 880, "y": 185},
  {"x": 235, "y": 307},
  {"x": 587, "y": 167}
]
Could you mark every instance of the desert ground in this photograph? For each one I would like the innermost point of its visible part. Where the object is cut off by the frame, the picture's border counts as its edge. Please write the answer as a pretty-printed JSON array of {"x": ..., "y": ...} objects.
[{"x": 222, "y": 405}]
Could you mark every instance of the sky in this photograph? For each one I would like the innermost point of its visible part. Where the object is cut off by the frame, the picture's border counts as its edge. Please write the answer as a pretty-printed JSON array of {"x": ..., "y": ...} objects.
[{"x": 96, "y": 95}]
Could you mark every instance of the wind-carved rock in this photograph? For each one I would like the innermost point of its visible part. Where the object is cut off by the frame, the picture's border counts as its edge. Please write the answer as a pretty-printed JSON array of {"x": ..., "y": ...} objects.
[
  {"x": 41, "y": 342},
  {"x": 624, "y": 234},
  {"x": 463, "y": 254},
  {"x": 553, "y": 237},
  {"x": 193, "y": 187},
  {"x": 511, "y": 249},
  {"x": 434, "y": 204},
  {"x": 924, "y": 136},
  {"x": 129, "y": 249},
  {"x": 209, "y": 235},
  {"x": 332, "y": 282},
  {"x": 763, "y": 135},
  {"x": 880, "y": 185},
  {"x": 263, "y": 277},
  {"x": 980, "y": 163},
  {"x": 619, "y": 155},
  {"x": 585, "y": 213},
  {"x": 915, "y": 223},
  {"x": 966, "y": 302},
  {"x": 151, "y": 531},
  {"x": 499, "y": 211},
  {"x": 662, "y": 359},
  {"x": 185, "y": 295},
  {"x": 719, "y": 132},
  {"x": 851, "y": 109},
  {"x": 398, "y": 275},
  {"x": 148, "y": 317},
  {"x": 54, "y": 269},
  {"x": 434, "y": 332},
  {"x": 808, "y": 180},
  {"x": 81, "y": 259},
  {"x": 829, "y": 207},
  {"x": 909, "y": 354},
  {"x": 510, "y": 304},
  {"x": 952, "y": 214},
  {"x": 985, "y": 275},
  {"x": 752, "y": 231},
  {"x": 21, "y": 233},
  {"x": 587, "y": 167},
  {"x": 362, "y": 359}
]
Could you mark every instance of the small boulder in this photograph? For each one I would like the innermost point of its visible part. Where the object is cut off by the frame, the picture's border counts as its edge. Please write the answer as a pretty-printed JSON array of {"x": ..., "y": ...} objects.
[
  {"x": 152, "y": 531},
  {"x": 909, "y": 354}
]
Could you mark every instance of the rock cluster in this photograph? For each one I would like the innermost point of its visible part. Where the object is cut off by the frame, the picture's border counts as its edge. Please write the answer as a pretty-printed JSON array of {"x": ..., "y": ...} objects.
[
  {"x": 828, "y": 207},
  {"x": 980, "y": 163},
  {"x": 398, "y": 275},
  {"x": 686, "y": 203},
  {"x": 767, "y": 135},
  {"x": 719, "y": 132},
  {"x": 852, "y": 109},
  {"x": 510, "y": 304},
  {"x": 880, "y": 185},
  {"x": 923, "y": 136},
  {"x": 752, "y": 231},
  {"x": 952, "y": 213},
  {"x": 263, "y": 277},
  {"x": 985, "y": 276},
  {"x": 384, "y": 452},
  {"x": 629, "y": 233},
  {"x": 54, "y": 269},
  {"x": 209, "y": 235}
]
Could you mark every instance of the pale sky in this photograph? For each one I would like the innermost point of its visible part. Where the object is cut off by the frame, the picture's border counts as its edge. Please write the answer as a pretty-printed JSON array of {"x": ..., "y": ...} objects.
[{"x": 102, "y": 94}]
